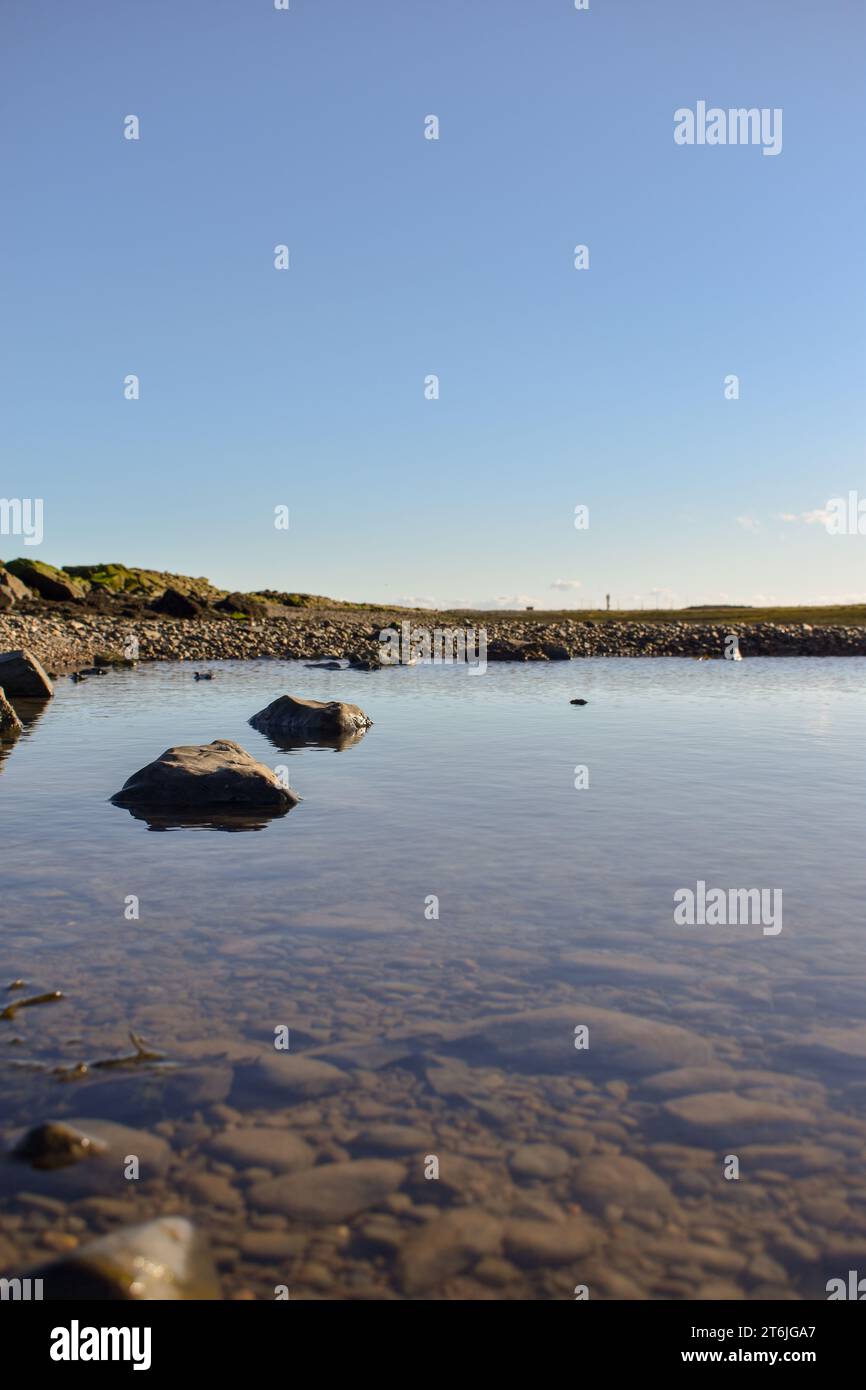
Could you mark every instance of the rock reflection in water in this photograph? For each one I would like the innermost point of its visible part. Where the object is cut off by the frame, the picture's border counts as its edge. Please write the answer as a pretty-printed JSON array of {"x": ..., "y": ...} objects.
[{"x": 162, "y": 818}]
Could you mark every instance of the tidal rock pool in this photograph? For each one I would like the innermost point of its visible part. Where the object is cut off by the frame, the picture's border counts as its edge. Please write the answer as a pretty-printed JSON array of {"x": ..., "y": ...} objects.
[{"x": 442, "y": 1031}]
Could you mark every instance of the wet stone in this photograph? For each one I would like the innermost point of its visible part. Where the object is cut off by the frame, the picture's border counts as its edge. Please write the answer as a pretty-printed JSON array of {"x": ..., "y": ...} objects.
[
  {"x": 56, "y": 1145},
  {"x": 289, "y": 1077},
  {"x": 277, "y": 1150},
  {"x": 603, "y": 1180},
  {"x": 539, "y": 1161},
  {"x": 532, "y": 1243},
  {"x": 392, "y": 1139},
  {"x": 734, "y": 1119},
  {"x": 446, "y": 1246},
  {"x": 212, "y": 1189},
  {"x": 333, "y": 1192},
  {"x": 620, "y": 1044},
  {"x": 102, "y": 1171},
  {"x": 270, "y": 1246}
]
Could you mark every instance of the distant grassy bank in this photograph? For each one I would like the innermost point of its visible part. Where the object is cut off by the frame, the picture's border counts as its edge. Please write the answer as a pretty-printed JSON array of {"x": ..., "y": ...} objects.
[
  {"x": 837, "y": 615},
  {"x": 122, "y": 588}
]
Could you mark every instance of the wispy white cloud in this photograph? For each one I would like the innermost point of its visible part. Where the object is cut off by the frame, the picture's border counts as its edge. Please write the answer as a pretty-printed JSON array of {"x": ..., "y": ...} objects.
[
  {"x": 565, "y": 584},
  {"x": 412, "y": 601},
  {"x": 506, "y": 601},
  {"x": 819, "y": 517}
]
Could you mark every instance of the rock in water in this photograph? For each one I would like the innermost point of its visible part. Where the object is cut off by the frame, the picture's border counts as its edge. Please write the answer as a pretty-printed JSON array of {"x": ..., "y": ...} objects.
[
  {"x": 256, "y": 1146},
  {"x": 730, "y": 1119},
  {"x": 539, "y": 1161},
  {"x": 543, "y": 1041},
  {"x": 161, "y": 1260},
  {"x": 331, "y": 1193},
  {"x": 292, "y": 1077},
  {"x": 21, "y": 674},
  {"x": 310, "y": 720},
  {"x": 616, "y": 1179},
  {"x": 56, "y": 1145},
  {"x": 445, "y": 1247},
  {"x": 533, "y": 1243},
  {"x": 77, "y": 1157},
  {"x": 10, "y": 724},
  {"x": 219, "y": 774}
]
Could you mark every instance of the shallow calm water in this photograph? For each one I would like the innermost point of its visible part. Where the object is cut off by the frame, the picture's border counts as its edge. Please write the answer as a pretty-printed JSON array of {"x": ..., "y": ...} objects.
[{"x": 550, "y": 900}]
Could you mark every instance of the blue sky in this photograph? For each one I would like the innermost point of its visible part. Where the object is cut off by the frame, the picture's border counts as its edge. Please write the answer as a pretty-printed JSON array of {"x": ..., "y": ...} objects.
[{"x": 305, "y": 388}]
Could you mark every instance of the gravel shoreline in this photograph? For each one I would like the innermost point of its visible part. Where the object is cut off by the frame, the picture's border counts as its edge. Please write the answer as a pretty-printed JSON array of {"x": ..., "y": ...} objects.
[{"x": 69, "y": 641}]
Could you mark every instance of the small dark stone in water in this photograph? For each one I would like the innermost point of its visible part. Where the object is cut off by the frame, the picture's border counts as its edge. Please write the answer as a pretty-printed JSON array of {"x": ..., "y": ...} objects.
[
  {"x": 578, "y": 702},
  {"x": 73, "y": 1073},
  {"x": 17, "y": 984},
  {"x": 77, "y": 676},
  {"x": 202, "y": 675},
  {"x": 55, "y": 1145}
]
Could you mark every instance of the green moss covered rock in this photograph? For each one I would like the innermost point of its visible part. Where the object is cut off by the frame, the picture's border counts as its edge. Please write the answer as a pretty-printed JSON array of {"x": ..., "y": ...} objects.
[{"x": 46, "y": 580}]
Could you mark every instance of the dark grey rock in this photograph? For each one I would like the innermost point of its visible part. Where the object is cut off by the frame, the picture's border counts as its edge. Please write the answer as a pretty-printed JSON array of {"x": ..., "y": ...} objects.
[
  {"x": 173, "y": 604},
  {"x": 21, "y": 674},
  {"x": 219, "y": 774},
  {"x": 311, "y": 720}
]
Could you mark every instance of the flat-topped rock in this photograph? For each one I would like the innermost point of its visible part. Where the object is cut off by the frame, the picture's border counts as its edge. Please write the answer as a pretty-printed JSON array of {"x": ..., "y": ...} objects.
[
  {"x": 21, "y": 674},
  {"x": 392, "y": 1139},
  {"x": 734, "y": 1119},
  {"x": 260, "y": 1146},
  {"x": 331, "y": 1193},
  {"x": 311, "y": 720},
  {"x": 542, "y": 1040},
  {"x": 288, "y": 1076},
  {"x": 620, "y": 966},
  {"x": 219, "y": 774}
]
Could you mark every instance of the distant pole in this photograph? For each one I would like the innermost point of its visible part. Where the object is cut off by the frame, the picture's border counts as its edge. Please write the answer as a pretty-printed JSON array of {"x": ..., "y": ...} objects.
[{"x": 607, "y": 596}]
